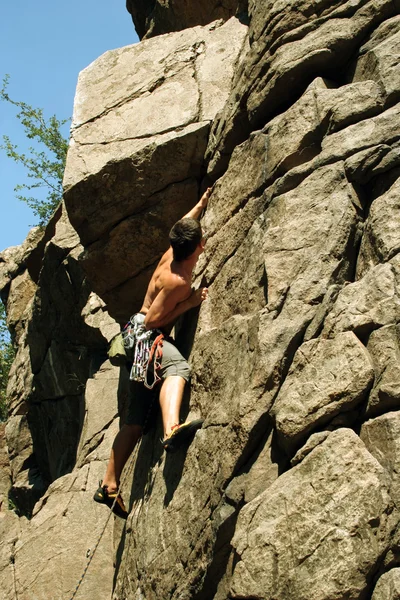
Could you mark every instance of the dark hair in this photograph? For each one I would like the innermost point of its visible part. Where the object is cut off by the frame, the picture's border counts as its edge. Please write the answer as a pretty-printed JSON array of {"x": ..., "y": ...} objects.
[{"x": 184, "y": 238}]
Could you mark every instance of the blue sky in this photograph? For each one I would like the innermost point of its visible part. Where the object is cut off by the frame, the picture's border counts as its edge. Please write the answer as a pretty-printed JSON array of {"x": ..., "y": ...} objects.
[{"x": 43, "y": 46}]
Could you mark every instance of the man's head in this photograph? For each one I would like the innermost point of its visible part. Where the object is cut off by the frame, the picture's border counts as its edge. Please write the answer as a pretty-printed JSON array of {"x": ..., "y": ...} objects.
[{"x": 185, "y": 236}]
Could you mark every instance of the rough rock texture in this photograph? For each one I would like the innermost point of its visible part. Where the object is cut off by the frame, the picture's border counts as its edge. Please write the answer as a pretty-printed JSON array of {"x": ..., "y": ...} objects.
[
  {"x": 382, "y": 438},
  {"x": 383, "y": 346},
  {"x": 291, "y": 43},
  {"x": 67, "y": 540},
  {"x": 158, "y": 16},
  {"x": 330, "y": 516},
  {"x": 327, "y": 377},
  {"x": 388, "y": 586},
  {"x": 290, "y": 490}
]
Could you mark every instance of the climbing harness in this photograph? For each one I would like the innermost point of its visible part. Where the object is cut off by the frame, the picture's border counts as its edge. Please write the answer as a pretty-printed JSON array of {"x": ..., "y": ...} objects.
[{"x": 143, "y": 351}]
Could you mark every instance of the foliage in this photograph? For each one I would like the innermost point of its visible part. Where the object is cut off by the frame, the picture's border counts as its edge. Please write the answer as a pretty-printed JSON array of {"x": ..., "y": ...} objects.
[
  {"x": 45, "y": 167},
  {"x": 6, "y": 358}
]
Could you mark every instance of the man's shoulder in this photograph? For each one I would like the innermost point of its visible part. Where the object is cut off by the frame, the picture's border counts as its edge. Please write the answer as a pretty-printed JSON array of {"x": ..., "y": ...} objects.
[{"x": 175, "y": 281}]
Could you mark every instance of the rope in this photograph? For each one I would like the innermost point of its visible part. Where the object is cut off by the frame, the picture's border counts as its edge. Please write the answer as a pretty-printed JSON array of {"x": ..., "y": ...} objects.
[
  {"x": 90, "y": 553},
  {"x": 156, "y": 353}
]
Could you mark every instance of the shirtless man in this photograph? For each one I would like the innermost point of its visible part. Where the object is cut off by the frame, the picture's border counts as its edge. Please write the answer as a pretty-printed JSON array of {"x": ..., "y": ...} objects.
[{"x": 168, "y": 296}]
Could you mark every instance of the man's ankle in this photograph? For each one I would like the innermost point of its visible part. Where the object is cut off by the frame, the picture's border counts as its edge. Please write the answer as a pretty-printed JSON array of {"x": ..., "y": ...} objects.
[
  {"x": 111, "y": 487},
  {"x": 170, "y": 428}
]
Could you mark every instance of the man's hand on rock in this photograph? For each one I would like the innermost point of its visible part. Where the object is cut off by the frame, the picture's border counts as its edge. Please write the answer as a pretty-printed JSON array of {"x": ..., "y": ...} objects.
[
  {"x": 198, "y": 296},
  {"x": 197, "y": 210},
  {"x": 204, "y": 199}
]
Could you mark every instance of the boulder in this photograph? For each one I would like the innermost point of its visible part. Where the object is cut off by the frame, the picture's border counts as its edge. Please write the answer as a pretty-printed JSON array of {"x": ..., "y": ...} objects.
[
  {"x": 327, "y": 377},
  {"x": 382, "y": 438},
  {"x": 20, "y": 296},
  {"x": 369, "y": 148},
  {"x": 388, "y": 586},
  {"x": 319, "y": 531},
  {"x": 384, "y": 348},
  {"x": 364, "y": 166},
  {"x": 14, "y": 258},
  {"x": 368, "y": 303},
  {"x": 379, "y": 59},
  {"x": 295, "y": 136},
  {"x": 313, "y": 441},
  {"x": 381, "y": 239}
]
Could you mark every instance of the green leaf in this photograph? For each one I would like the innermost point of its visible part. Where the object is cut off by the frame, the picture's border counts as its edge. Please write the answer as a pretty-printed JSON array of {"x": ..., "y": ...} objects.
[{"x": 45, "y": 162}]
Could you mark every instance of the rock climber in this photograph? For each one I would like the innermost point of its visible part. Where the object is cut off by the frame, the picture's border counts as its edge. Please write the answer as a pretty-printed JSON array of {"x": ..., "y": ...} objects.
[{"x": 169, "y": 295}]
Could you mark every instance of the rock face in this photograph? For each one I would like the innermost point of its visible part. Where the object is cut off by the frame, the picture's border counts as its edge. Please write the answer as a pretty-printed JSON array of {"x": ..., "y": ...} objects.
[
  {"x": 323, "y": 516},
  {"x": 291, "y": 44},
  {"x": 60, "y": 328},
  {"x": 388, "y": 587},
  {"x": 137, "y": 148},
  {"x": 290, "y": 490}
]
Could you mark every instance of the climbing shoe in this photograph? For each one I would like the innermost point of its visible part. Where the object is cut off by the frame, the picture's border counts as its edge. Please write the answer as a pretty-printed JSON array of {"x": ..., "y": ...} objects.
[
  {"x": 112, "y": 500},
  {"x": 180, "y": 434}
]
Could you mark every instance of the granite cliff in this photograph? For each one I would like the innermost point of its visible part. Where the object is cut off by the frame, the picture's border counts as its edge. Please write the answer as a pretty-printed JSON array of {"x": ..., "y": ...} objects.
[{"x": 291, "y": 489}]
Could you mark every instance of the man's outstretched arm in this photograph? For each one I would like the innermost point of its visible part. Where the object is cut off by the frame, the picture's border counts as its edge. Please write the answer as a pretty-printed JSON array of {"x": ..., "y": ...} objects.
[
  {"x": 195, "y": 213},
  {"x": 200, "y": 206}
]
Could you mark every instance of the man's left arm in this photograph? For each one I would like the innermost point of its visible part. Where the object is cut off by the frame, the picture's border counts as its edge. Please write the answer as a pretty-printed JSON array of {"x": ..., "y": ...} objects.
[{"x": 196, "y": 211}]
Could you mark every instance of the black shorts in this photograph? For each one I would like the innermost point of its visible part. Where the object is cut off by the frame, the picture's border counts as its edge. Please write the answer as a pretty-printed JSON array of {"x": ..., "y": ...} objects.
[{"x": 141, "y": 399}]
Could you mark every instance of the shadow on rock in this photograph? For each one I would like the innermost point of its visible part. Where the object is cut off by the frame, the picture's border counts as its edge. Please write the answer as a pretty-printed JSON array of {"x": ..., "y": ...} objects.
[
  {"x": 174, "y": 461},
  {"x": 173, "y": 469}
]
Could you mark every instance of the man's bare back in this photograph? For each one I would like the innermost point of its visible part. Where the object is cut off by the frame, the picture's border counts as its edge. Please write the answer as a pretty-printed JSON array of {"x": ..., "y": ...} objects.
[{"x": 167, "y": 277}]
